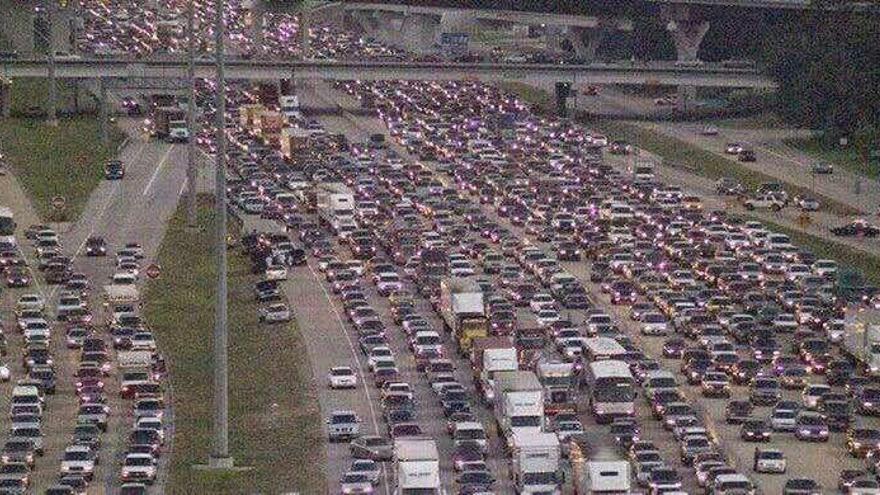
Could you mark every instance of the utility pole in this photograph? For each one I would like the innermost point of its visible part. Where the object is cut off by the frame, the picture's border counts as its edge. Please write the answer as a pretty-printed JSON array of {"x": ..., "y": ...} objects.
[
  {"x": 191, "y": 118},
  {"x": 220, "y": 458},
  {"x": 53, "y": 89}
]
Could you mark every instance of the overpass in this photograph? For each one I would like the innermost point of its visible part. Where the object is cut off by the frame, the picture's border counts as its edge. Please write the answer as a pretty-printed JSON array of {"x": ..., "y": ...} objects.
[
  {"x": 858, "y": 6},
  {"x": 623, "y": 73}
]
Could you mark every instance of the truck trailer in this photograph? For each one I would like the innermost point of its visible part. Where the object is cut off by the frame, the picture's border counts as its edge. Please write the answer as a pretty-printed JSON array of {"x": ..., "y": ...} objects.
[
  {"x": 534, "y": 464},
  {"x": 335, "y": 204},
  {"x": 490, "y": 355},
  {"x": 417, "y": 463},
  {"x": 518, "y": 404},
  {"x": 861, "y": 337}
]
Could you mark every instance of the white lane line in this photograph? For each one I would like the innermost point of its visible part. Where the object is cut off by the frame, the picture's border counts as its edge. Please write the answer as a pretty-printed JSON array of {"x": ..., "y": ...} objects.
[
  {"x": 158, "y": 169},
  {"x": 357, "y": 360}
]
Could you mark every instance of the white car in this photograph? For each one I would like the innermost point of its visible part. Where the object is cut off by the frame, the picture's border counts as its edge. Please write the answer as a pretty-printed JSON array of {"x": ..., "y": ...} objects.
[
  {"x": 769, "y": 461},
  {"x": 5, "y": 373},
  {"x": 540, "y": 301},
  {"x": 78, "y": 459},
  {"x": 139, "y": 467},
  {"x": 276, "y": 272},
  {"x": 379, "y": 353},
  {"x": 547, "y": 317},
  {"x": 367, "y": 467},
  {"x": 275, "y": 313},
  {"x": 342, "y": 377},
  {"x": 30, "y": 301},
  {"x": 654, "y": 324}
]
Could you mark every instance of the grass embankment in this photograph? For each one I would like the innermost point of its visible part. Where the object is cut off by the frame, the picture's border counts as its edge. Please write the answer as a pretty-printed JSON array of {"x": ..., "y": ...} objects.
[
  {"x": 62, "y": 161},
  {"x": 849, "y": 157},
  {"x": 273, "y": 414}
]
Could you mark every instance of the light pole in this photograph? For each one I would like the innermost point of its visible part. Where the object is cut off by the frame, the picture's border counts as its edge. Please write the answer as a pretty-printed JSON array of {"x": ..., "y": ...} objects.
[
  {"x": 52, "y": 111},
  {"x": 191, "y": 119},
  {"x": 220, "y": 458}
]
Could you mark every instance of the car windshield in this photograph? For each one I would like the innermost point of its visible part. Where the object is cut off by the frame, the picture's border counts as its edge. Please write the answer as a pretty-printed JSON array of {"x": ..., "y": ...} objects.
[{"x": 344, "y": 418}]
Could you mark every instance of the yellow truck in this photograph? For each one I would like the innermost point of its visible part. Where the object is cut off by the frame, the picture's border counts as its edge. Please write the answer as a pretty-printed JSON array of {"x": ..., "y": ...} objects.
[{"x": 463, "y": 310}]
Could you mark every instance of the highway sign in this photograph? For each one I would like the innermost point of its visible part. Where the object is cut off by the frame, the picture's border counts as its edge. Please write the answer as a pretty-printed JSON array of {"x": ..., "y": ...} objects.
[
  {"x": 58, "y": 202},
  {"x": 153, "y": 271}
]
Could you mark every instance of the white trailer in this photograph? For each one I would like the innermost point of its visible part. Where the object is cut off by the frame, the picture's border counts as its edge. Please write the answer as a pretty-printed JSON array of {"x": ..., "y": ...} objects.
[
  {"x": 518, "y": 404},
  {"x": 597, "y": 471},
  {"x": 462, "y": 310},
  {"x": 335, "y": 204},
  {"x": 417, "y": 463},
  {"x": 861, "y": 337},
  {"x": 535, "y": 463}
]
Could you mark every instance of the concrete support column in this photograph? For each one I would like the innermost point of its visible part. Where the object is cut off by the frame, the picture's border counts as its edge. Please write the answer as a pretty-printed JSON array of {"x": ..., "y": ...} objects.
[
  {"x": 102, "y": 111},
  {"x": 553, "y": 37},
  {"x": 258, "y": 21},
  {"x": 388, "y": 27},
  {"x": 686, "y": 29},
  {"x": 455, "y": 22},
  {"x": 304, "y": 39},
  {"x": 5, "y": 98},
  {"x": 418, "y": 32}
]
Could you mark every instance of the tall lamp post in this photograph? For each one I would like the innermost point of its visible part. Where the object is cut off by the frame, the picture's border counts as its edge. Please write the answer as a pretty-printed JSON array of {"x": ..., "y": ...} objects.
[{"x": 220, "y": 458}]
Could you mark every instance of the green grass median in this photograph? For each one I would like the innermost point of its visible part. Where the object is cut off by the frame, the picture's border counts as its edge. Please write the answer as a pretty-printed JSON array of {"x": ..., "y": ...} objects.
[
  {"x": 274, "y": 414},
  {"x": 66, "y": 161}
]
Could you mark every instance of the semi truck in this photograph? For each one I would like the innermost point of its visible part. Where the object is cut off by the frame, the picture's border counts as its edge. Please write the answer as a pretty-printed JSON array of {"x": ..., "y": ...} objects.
[
  {"x": 490, "y": 355},
  {"x": 518, "y": 404},
  {"x": 597, "y": 471},
  {"x": 267, "y": 126},
  {"x": 169, "y": 123},
  {"x": 335, "y": 204},
  {"x": 560, "y": 388},
  {"x": 861, "y": 337},
  {"x": 294, "y": 140},
  {"x": 534, "y": 463},
  {"x": 417, "y": 463},
  {"x": 462, "y": 309}
]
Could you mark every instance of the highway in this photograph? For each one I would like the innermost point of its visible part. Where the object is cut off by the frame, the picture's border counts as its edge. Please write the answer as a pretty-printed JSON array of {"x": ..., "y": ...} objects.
[
  {"x": 665, "y": 73},
  {"x": 133, "y": 210}
]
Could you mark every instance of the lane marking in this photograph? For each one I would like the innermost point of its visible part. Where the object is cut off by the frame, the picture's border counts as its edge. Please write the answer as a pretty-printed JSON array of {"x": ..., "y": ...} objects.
[
  {"x": 357, "y": 360},
  {"x": 158, "y": 169}
]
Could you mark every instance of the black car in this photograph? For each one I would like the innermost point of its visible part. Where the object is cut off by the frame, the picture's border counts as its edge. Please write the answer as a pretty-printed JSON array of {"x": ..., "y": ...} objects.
[
  {"x": 114, "y": 170},
  {"x": 755, "y": 430},
  {"x": 96, "y": 246},
  {"x": 738, "y": 411}
]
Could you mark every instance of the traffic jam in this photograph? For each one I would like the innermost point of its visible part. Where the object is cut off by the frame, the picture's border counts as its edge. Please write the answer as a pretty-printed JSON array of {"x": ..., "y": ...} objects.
[
  {"x": 554, "y": 303},
  {"x": 81, "y": 357}
]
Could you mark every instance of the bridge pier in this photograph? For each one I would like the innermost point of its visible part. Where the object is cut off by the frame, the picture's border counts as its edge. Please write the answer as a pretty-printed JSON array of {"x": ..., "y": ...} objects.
[
  {"x": 102, "y": 111},
  {"x": 418, "y": 32},
  {"x": 5, "y": 98},
  {"x": 686, "y": 29},
  {"x": 258, "y": 22},
  {"x": 304, "y": 39},
  {"x": 455, "y": 22}
]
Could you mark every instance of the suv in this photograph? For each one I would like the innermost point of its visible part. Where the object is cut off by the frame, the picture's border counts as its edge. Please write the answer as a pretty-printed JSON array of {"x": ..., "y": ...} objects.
[
  {"x": 114, "y": 170},
  {"x": 96, "y": 246},
  {"x": 343, "y": 425}
]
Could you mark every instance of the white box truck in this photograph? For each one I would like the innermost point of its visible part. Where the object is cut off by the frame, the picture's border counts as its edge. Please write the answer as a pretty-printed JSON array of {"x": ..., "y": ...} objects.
[
  {"x": 861, "y": 337},
  {"x": 490, "y": 355},
  {"x": 534, "y": 464},
  {"x": 597, "y": 471},
  {"x": 518, "y": 404},
  {"x": 335, "y": 204},
  {"x": 417, "y": 463}
]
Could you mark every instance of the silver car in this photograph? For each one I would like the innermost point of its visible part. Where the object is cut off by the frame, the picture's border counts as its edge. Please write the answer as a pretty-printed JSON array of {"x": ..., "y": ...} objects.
[{"x": 343, "y": 425}]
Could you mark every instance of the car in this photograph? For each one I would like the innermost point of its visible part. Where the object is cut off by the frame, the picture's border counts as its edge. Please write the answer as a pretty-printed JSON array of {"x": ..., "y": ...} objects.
[
  {"x": 810, "y": 426},
  {"x": 367, "y": 467},
  {"x": 275, "y": 313},
  {"x": 139, "y": 467},
  {"x": 801, "y": 486},
  {"x": 769, "y": 460},
  {"x": 79, "y": 459},
  {"x": 755, "y": 430},
  {"x": 96, "y": 246},
  {"x": 342, "y": 425},
  {"x": 342, "y": 377},
  {"x": 372, "y": 447},
  {"x": 822, "y": 168},
  {"x": 114, "y": 170},
  {"x": 356, "y": 482}
]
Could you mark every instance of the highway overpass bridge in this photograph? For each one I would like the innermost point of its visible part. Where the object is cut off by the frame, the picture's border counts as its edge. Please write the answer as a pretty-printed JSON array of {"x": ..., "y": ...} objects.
[{"x": 623, "y": 73}]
